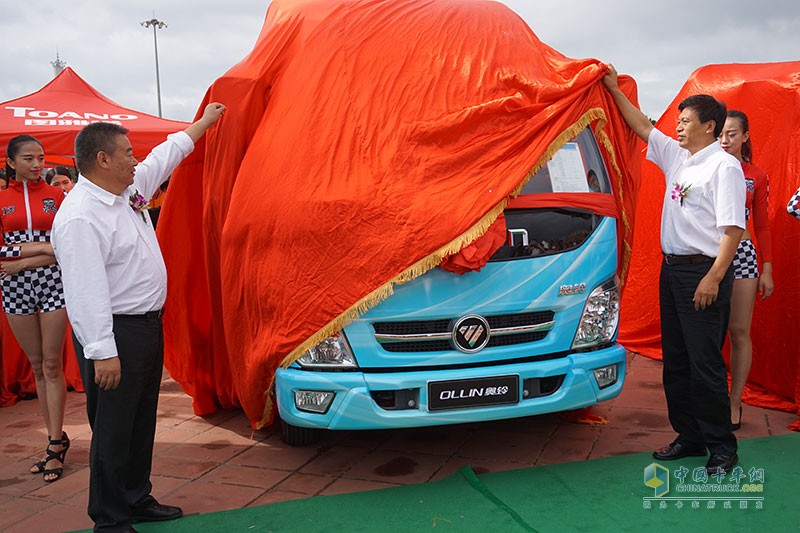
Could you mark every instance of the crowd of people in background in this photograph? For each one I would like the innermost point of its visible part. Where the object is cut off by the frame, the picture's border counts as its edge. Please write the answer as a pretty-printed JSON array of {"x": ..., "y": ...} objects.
[{"x": 60, "y": 177}]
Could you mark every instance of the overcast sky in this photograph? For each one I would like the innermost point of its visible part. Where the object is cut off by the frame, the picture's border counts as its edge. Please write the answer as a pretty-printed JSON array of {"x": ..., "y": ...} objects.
[{"x": 659, "y": 43}]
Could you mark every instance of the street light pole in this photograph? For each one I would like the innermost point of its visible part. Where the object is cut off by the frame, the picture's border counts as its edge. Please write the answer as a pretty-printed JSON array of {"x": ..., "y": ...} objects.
[
  {"x": 58, "y": 65},
  {"x": 156, "y": 24}
]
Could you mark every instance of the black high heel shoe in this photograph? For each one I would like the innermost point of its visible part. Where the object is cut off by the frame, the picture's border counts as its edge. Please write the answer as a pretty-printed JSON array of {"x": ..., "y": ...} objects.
[
  {"x": 39, "y": 466},
  {"x": 60, "y": 455},
  {"x": 737, "y": 425}
]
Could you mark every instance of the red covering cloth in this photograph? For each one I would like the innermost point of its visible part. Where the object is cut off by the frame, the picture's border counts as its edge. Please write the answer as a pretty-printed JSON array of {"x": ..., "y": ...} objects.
[
  {"x": 364, "y": 141},
  {"x": 476, "y": 254},
  {"x": 770, "y": 96}
]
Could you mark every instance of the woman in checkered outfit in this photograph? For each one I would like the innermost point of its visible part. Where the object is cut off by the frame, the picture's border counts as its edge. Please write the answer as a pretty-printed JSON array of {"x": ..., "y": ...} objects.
[
  {"x": 32, "y": 293},
  {"x": 793, "y": 207},
  {"x": 748, "y": 282}
]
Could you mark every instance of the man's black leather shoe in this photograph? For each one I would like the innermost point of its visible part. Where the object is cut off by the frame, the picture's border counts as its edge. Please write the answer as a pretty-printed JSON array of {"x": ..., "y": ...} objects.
[
  {"x": 721, "y": 464},
  {"x": 676, "y": 450},
  {"x": 155, "y": 512}
]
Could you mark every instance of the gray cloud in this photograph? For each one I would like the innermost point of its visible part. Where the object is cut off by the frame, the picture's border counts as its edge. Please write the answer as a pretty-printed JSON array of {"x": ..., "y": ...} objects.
[{"x": 659, "y": 43}]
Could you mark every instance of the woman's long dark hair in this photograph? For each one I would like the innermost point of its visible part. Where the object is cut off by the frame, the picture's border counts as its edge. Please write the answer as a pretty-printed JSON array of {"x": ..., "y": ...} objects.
[
  {"x": 13, "y": 149},
  {"x": 747, "y": 146}
]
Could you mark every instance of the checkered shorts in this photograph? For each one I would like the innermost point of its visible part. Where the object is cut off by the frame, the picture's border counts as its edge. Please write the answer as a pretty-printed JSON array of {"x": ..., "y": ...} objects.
[
  {"x": 793, "y": 207},
  {"x": 745, "y": 262},
  {"x": 38, "y": 289},
  {"x": 29, "y": 291}
]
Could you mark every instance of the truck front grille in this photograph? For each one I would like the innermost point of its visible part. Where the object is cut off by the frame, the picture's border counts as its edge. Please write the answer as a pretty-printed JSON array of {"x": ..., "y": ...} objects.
[{"x": 435, "y": 335}]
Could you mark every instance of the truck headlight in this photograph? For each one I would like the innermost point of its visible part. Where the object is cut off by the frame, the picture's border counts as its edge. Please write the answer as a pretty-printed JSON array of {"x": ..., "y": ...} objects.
[
  {"x": 600, "y": 316},
  {"x": 331, "y": 354}
]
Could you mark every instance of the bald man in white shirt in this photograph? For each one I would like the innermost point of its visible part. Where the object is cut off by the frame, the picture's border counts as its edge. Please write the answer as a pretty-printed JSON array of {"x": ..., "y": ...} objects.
[
  {"x": 702, "y": 221},
  {"x": 115, "y": 284}
]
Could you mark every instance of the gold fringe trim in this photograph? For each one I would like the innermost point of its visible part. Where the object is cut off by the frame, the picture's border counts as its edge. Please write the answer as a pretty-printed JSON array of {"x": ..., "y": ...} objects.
[
  {"x": 587, "y": 118},
  {"x": 602, "y": 136},
  {"x": 423, "y": 265}
]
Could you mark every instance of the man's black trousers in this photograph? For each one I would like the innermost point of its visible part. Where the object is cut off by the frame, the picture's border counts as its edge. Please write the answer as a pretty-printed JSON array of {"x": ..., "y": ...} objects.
[
  {"x": 123, "y": 423},
  {"x": 695, "y": 378}
]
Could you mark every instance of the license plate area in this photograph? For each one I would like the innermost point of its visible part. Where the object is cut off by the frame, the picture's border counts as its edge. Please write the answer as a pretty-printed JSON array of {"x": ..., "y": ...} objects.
[{"x": 476, "y": 392}]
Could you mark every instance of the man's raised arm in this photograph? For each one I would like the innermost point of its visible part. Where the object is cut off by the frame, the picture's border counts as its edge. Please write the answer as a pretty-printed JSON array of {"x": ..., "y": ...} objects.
[
  {"x": 211, "y": 114},
  {"x": 636, "y": 120}
]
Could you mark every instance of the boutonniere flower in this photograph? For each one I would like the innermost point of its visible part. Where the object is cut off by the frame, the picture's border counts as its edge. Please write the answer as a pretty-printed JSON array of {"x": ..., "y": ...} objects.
[
  {"x": 139, "y": 204},
  {"x": 680, "y": 192}
]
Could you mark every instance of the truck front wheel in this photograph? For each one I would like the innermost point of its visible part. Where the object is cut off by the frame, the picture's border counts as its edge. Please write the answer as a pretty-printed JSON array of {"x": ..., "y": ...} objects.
[{"x": 299, "y": 436}]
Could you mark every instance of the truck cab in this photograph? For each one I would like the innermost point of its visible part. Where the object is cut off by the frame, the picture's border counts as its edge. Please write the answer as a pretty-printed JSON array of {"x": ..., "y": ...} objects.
[{"x": 533, "y": 332}]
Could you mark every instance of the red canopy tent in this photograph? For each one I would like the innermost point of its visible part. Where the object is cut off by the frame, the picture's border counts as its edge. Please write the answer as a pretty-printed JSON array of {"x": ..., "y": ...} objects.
[
  {"x": 54, "y": 115},
  {"x": 769, "y": 93}
]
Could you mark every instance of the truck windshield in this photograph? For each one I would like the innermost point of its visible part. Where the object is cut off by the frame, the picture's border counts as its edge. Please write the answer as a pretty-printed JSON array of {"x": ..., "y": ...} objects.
[{"x": 577, "y": 167}]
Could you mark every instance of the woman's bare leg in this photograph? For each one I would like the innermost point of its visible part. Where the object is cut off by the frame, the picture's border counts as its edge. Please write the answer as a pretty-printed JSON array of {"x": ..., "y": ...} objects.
[
  {"x": 41, "y": 337},
  {"x": 742, "y": 302}
]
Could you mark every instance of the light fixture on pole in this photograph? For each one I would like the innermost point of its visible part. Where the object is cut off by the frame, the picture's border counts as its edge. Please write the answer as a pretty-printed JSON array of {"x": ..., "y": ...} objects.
[
  {"x": 157, "y": 25},
  {"x": 58, "y": 65}
]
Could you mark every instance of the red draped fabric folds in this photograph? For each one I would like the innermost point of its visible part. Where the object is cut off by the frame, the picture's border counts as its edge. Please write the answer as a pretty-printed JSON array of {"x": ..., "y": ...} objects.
[
  {"x": 476, "y": 254},
  {"x": 769, "y": 94},
  {"x": 364, "y": 142}
]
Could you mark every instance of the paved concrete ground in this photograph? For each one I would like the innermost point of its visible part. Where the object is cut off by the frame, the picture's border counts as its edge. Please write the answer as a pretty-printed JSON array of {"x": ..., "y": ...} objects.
[{"x": 213, "y": 463}]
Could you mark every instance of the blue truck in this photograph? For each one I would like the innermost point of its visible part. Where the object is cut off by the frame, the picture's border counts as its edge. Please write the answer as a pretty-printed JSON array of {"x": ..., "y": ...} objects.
[{"x": 534, "y": 331}]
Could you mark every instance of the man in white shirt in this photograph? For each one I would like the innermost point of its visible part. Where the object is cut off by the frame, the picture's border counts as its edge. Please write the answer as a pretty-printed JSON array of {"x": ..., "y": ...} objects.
[
  {"x": 115, "y": 284},
  {"x": 702, "y": 220}
]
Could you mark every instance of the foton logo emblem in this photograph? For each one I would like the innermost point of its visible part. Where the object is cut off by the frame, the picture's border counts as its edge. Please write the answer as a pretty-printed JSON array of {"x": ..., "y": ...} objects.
[{"x": 470, "y": 333}]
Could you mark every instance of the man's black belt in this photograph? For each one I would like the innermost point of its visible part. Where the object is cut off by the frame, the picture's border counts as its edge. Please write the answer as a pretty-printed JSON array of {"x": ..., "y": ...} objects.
[
  {"x": 687, "y": 259},
  {"x": 147, "y": 315}
]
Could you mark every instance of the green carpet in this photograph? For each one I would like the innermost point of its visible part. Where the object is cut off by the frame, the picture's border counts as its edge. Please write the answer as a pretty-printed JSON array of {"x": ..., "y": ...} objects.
[{"x": 600, "y": 495}]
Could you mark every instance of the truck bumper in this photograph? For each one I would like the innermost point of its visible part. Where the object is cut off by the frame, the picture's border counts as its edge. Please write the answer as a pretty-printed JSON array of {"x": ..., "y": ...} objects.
[{"x": 353, "y": 406}]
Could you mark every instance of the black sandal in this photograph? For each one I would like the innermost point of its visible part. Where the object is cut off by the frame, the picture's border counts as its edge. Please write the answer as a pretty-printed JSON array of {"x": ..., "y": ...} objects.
[
  {"x": 60, "y": 455},
  {"x": 40, "y": 465}
]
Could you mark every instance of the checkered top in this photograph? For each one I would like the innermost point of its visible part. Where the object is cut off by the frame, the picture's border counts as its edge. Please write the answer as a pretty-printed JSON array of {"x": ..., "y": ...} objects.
[{"x": 18, "y": 237}]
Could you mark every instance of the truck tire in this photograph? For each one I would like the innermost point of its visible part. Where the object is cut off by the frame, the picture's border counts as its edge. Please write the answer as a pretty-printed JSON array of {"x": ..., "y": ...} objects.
[{"x": 298, "y": 436}]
